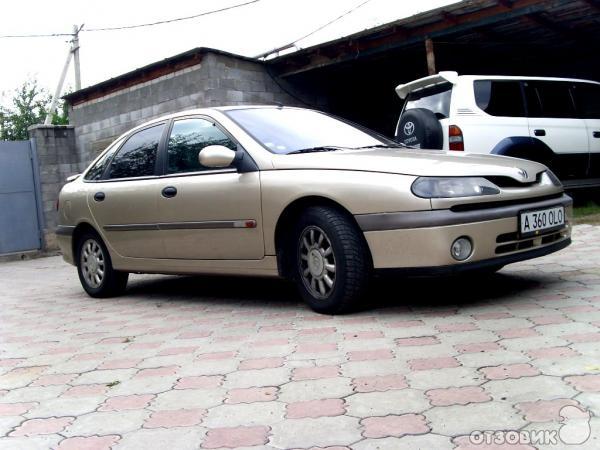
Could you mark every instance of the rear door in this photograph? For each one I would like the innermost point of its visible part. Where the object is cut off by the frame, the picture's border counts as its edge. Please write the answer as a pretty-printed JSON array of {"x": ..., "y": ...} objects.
[
  {"x": 554, "y": 121},
  {"x": 207, "y": 213},
  {"x": 124, "y": 200},
  {"x": 587, "y": 99}
]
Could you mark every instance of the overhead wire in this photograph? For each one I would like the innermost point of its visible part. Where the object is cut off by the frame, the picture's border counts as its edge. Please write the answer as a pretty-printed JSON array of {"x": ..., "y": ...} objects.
[
  {"x": 129, "y": 27},
  {"x": 292, "y": 44}
]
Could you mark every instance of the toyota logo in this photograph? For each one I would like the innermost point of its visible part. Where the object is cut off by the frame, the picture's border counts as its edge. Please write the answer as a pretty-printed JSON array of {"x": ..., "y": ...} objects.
[{"x": 409, "y": 128}]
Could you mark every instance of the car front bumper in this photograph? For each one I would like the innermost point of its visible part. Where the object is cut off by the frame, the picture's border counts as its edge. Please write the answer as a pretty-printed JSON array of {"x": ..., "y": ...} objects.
[{"x": 420, "y": 241}]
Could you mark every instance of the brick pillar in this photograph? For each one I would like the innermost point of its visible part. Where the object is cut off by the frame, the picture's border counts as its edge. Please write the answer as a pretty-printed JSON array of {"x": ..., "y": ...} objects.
[{"x": 57, "y": 159}]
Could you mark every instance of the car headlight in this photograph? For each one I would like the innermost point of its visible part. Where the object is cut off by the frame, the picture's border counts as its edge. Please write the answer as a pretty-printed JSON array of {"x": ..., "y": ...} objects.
[
  {"x": 450, "y": 187},
  {"x": 548, "y": 177}
]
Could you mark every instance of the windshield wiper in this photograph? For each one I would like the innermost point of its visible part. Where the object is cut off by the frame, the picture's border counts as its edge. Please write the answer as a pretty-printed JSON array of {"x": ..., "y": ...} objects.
[
  {"x": 398, "y": 145},
  {"x": 322, "y": 148}
]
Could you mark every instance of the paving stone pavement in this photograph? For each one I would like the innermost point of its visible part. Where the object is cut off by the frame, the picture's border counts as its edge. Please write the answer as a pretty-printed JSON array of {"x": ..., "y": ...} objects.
[{"x": 210, "y": 362}]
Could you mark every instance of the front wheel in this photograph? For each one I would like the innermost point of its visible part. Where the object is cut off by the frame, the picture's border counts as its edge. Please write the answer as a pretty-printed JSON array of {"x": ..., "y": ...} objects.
[
  {"x": 333, "y": 265},
  {"x": 95, "y": 270}
]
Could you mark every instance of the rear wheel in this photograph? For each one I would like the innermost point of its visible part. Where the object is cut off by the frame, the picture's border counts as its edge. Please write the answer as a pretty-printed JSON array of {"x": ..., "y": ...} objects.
[
  {"x": 333, "y": 265},
  {"x": 95, "y": 270}
]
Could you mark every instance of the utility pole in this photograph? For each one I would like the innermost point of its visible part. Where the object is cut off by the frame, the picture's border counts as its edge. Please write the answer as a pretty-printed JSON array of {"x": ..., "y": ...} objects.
[
  {"x": 75, "y": 47},
  {"x": 73, "y": 51}
]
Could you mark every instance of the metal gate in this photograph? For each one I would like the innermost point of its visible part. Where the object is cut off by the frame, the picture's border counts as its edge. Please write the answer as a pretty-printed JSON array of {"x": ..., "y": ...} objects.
[{"x": 20, "y": 206}]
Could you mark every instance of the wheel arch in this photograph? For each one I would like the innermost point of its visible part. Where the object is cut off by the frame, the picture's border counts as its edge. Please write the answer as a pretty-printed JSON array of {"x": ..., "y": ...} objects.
[
  {"x": 285, "y": 223},
  {"x": 525, "y": 147},
  {"x": 79, "y": 230}
]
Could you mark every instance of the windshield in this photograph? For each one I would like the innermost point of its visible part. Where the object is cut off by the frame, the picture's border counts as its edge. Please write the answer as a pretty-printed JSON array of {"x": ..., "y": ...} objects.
[{"x": 288, "y": 130}]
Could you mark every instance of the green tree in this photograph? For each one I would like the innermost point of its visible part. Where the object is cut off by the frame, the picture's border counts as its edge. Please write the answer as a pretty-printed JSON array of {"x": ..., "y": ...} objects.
[{"x": 27, "y": 106}]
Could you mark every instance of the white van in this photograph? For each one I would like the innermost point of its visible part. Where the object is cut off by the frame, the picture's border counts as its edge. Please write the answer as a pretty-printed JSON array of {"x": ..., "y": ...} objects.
[{"x": 555, "y": 121}]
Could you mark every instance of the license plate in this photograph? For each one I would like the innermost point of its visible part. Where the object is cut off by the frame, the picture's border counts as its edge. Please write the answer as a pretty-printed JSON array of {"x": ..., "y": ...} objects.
[{"x": 535, "y": 222}]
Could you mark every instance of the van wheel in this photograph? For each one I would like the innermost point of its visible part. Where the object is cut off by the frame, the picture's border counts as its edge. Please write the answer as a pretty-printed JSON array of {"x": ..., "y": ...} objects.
[
  {"x": 95, "y": 270},
  {"x": 333, "y": 264}
]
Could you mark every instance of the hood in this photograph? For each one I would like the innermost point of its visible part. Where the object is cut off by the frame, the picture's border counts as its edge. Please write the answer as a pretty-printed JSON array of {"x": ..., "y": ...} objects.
[{"x": 413, "y": 162}]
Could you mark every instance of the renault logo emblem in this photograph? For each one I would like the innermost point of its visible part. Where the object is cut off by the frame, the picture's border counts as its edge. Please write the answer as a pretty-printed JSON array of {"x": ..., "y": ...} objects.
[{"x": 409, "y": 128}]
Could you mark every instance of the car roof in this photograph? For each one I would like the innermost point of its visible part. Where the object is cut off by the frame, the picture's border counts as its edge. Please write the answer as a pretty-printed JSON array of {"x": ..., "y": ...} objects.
[{"x": 205, "y": 111}]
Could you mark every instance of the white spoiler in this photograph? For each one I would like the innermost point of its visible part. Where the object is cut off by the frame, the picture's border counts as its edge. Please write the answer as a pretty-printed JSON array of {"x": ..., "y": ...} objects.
[{"x": 443, "y": 77}]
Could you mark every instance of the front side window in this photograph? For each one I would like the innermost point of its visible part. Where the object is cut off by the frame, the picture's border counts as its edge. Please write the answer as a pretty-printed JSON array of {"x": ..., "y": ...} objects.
[
  {"x": 499, "y": 98},
  {"x": 137, "y": 157},
  {"x": 587, "y": 99},
  {"x": 549, "y": 99},
  {"x": 286, "y": 130},
  {"x": 435, "y": 99},
  {"x": 188, "y": 137}
]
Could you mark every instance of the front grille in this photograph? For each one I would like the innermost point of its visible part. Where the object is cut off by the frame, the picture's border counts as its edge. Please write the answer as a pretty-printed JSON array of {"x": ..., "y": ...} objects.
[
  {"x": 508, "y": 182},
  {"x": 511, "y": 242},
  {"x": 488, "y": 205}
]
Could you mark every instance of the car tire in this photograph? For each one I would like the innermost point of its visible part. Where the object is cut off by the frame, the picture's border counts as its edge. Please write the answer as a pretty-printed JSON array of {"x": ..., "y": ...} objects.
[
  {"x": 95, "y": 269},
  {"x": 420, "y": 128},
  {"x": 332, "y": 261}
]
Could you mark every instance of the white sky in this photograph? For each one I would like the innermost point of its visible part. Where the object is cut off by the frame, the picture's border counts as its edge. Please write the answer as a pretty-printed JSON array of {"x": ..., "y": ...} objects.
[{"x": 248, "y": 30}]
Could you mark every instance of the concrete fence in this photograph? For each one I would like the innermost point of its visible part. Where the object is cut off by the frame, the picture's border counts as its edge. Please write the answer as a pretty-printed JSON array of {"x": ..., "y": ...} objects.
[{"x": 57, "y": 158}]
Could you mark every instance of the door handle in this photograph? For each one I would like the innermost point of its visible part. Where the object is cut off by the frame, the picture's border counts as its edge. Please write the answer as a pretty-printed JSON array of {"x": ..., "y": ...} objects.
[
  {"x": 539, "y": 132},
  {"x": 169, "y": 192},
  {"x": 99, "y": 196},
  {"x": 596, "y": 134}
]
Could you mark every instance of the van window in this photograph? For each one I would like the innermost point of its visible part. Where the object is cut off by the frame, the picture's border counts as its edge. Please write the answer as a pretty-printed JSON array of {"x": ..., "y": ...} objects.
[
  {"x": 499, "y": 98},
  {"x": 435, "y": 99},
  {"x": 587, "y": 100},
  {"x": 551, "y": 99}
]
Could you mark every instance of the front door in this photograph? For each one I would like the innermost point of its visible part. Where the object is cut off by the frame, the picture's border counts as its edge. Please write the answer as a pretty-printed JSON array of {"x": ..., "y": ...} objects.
[
  {"x": 207, "y": 213},
  {"x": 124, "y": 202},
  {"x": 554, "y": 121}
]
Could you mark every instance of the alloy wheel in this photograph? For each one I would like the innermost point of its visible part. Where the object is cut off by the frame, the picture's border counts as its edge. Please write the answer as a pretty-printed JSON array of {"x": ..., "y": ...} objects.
[
  {"x": 93, "y": 265},
  {"x": 316, "y": 261}
]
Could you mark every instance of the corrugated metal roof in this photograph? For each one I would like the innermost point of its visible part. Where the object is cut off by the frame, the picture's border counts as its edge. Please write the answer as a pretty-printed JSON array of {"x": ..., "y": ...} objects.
[{"x": 486, "y": 22}]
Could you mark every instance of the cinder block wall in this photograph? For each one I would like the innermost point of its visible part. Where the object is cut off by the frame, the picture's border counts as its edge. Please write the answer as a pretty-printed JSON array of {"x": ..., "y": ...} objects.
[
  {"x": 57, "y": 159},
  {"x": 217, "y": 80}
]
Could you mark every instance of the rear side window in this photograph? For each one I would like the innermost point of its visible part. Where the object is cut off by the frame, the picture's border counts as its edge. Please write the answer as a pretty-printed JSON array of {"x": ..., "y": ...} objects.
[
  {"x": 435, "y": 99},
  {"x": 137, "y": 157},
  {"x": 551, "y": 99},
  {"x": 96, "y": 171},
  {"x": 188, "y": 137},
  {"x": 499, "y": 98},
  {"x": 587, "y": 100}
]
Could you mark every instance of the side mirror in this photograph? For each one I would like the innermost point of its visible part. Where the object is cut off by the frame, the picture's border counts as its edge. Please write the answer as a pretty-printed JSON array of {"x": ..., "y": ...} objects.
[{"x": 216, "y": 156}]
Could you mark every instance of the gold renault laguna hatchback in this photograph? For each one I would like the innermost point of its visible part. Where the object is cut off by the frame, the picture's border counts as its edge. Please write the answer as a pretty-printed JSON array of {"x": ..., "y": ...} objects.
[{"x": 297, "y": 193}]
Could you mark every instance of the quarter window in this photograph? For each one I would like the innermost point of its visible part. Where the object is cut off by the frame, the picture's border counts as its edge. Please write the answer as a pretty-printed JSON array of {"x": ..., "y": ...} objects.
[
  {"x": 137, "y": 157},
  {"x": 499, "y": 98},
  {"x": 188, "y": 137}
]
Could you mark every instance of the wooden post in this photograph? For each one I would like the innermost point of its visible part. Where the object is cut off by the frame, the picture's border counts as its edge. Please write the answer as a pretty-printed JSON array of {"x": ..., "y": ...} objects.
[{"x": 430, "y": 56}]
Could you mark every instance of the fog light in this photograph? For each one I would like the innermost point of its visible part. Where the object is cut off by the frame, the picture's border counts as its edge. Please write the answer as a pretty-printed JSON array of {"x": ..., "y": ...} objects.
[{"x": 461, "y": 248}]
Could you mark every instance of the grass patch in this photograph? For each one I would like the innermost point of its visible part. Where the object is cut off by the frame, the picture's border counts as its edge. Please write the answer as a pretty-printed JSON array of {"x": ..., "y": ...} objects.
[
  {"x": 586, "y": 212},
  {"x": 586, "y": 209}
]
